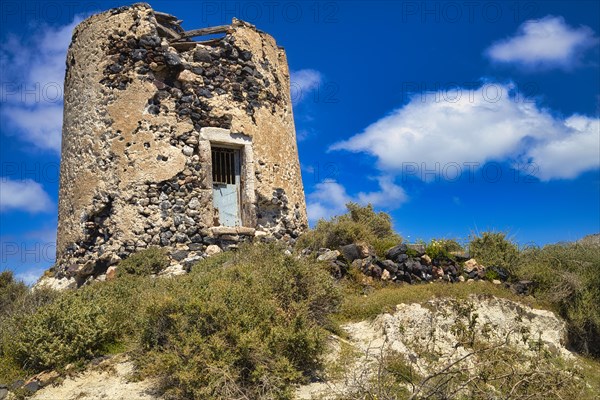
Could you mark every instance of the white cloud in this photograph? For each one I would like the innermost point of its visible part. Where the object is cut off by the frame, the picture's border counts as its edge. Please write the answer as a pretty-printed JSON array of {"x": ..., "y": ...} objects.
[
  {"x": 479, "y": 127},
  {"x": 31, "y": 275},
  {"x": 389, "y": 196},
  {"x": 32, "y": 84},
  {"x": 330, "y": 198},
  {"x": 544, "y": 43},
  {"x": 26, "y": 195},
  {"x": 302, "y": 82},
  {"x": 41, "y": 124},
  {"x": 568, "y": 156}
]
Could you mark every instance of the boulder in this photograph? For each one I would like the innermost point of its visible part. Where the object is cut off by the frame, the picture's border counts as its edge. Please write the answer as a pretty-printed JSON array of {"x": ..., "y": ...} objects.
[
  {"x": 111, "y": 273},
  {"x": 364, "y": 250},
  {"x": 523, "y": 287},
  {"x": 173, "y": 270},
  {"x": 374, "y": 270},
  {"x": 179, "y": 255},
  {"x": 56, "y": 284},
  {"x": 395, "y": 252},
  {"x": 471, "y": 265},
  {"x": 385, "y": 275},
  {"x": 330, "y": 255},
  {"x": 419, "y": 249},
  {"x": 389, "y": 266},
  {"x": 212, "y": 250},
  {"x": 350, "y": 252},
  {"x": 426, "y": 259}
]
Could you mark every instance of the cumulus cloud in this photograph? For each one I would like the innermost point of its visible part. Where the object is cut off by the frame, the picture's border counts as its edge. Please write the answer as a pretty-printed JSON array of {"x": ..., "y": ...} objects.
[
  {"x": 32, "y": 84},
  {"x": 489, "y": 123},
  {"x": 302, "y": 82},
  {"x": 544, "y": 43},
  {"x": 25, "y": 195},
  {"x": 567, "y": 156},
  {"x": 329, "y": 198},
  {"x": 31, "y": 275}
]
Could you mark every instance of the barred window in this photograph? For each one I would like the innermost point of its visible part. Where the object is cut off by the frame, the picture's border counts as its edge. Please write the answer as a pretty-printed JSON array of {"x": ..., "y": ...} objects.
[{"x": 223, "y": 165}]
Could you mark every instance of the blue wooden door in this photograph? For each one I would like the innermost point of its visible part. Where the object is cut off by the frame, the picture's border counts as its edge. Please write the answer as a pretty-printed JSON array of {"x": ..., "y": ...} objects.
[{"x": 226, "y": 185}]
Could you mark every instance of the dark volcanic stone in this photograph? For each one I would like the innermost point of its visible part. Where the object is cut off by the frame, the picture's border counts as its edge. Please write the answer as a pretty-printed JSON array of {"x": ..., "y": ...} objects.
[
  {"x": 390, "y": 266},
  {"x": 179, "y": 255},
  {"x": 32, "y": 386},
  {"x": 172, "y": 59},
  {"x": 245, "y": 55},
  {"x": 418, "y": 248},
  {"x": 116, "y": 68},
  {"x": 138, "y": 54},
  {"x": 150, "y": 41},
  {"x": 395, "y": 252},
  {"x": 202, "y": 55},
  {"x": 350, "y": 252},
  {"x": 205, "y": 93}
]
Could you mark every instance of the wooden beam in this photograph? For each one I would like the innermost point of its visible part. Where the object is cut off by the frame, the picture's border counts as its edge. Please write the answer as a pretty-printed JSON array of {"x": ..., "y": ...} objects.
[
  {"x": 185, "y": 46},
  {"x": 165, "y": 16},
  {"x": 165, "y": 31},
  {"x": 206, "y": 31}
]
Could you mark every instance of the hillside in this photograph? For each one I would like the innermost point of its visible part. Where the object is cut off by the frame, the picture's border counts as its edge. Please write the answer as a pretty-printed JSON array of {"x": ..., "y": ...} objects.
[{"x": 350, "y": 313}]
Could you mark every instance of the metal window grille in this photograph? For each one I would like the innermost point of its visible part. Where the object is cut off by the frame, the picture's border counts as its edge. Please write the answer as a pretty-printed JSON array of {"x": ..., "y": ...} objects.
[{"x": 223, "y": 165}]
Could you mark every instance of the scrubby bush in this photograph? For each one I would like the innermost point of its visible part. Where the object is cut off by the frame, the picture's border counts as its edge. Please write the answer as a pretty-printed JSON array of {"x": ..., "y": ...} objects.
[
  {"x": 77, "y": 325},
  {"x": 442, "y": 248},
  {"x": 144, "y": 263},
  {"x": 358, "y": 224},
  {"x": 247, "y": 330},
  {"x": 10, "y": 291},
  {"x": 250, "y": 322},
  {"x": 16, "y": 303},
  {"x": 494, "y": 249},
  {"x": 568, "y": 277}
]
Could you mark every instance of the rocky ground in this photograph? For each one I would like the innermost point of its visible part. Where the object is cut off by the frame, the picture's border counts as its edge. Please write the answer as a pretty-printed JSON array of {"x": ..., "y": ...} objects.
[
  {"x": 352, "y": 362},
  {"x": 417, "y": 331}
]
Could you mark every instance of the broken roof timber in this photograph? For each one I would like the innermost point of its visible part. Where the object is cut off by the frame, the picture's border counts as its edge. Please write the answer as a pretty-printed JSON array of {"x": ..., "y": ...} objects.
[
  {"x": 165, "y": 16},
  {"x": 166, "y": 31},
  {"x": 206, "y": 31}
]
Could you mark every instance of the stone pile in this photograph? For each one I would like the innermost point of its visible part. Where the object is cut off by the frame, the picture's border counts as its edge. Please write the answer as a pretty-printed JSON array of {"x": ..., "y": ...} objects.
[{"x": 409, "y": 263}]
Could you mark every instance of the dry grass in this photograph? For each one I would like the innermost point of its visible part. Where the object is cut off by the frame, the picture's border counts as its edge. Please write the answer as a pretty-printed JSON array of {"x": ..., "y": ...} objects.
[{"x": 358, "y": 306}]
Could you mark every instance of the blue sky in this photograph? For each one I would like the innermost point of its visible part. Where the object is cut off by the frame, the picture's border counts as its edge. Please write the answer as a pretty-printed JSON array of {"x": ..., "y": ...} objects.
[{"x": 454, "y": 117}]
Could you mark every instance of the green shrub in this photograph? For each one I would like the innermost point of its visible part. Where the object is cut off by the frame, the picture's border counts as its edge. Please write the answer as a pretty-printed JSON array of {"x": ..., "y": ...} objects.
[
  {"x": 10, "y": 291},
  {"x": 144, "y": 263},
  {"x": 442, "y": 248},
  {"x": 568, "y": 276},
  {"x": 247, "y": 330},
  {"x": 76, "y": 326},
  {"x": 494, "y": 249},
  {"x": 358, "y": 224},
  {"x": 16, "y": 301}
]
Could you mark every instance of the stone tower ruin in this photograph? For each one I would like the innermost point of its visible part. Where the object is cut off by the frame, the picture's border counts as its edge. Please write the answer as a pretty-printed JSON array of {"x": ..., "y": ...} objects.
[{"x": 172, "y": 141}]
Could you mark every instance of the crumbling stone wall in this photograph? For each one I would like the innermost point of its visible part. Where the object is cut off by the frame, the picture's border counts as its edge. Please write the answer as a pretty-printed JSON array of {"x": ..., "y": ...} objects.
[{"x": 136, "y": 164}]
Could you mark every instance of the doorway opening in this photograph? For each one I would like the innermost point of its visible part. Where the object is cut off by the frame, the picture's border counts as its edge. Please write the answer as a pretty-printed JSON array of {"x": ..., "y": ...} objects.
[{"x": 226, "y": 172}]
